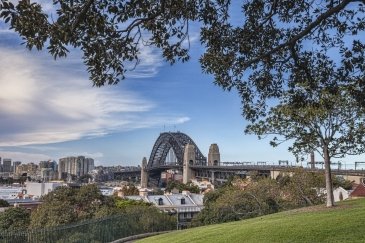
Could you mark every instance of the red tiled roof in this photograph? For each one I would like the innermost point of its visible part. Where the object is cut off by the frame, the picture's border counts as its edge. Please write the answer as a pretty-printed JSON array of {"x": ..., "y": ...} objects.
[{"x": 359, "y": 191}]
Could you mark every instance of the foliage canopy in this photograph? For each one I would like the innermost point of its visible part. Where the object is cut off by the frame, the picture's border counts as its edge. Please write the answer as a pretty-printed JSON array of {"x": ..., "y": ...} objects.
[
  {"x": 4, "y": 203},
  {"x": 326, "y": 119},
  {"x": 66, "y": 205},
  {"x": 251, "y": 198},
  {"x": 262, "y": 54},
  {"x": 14, "y": 218},
  {"x": 171, "y": 185}
]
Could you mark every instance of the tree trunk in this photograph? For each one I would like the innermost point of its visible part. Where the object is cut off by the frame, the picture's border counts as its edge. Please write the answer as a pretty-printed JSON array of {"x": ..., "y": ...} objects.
[{"x": 327, "y": 168}]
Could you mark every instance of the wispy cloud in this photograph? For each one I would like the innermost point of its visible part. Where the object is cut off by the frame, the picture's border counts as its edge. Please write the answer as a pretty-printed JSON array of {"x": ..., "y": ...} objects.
[
  {"x": 95, "y": 155},
  {"x": 44, "y": 103},
  {"x": 150, "y": 61},
  {"x": 24, "y": 157}
]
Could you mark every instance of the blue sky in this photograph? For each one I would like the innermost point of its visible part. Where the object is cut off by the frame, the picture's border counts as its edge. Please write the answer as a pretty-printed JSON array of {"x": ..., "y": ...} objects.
[{"x": 49, "y": 109}]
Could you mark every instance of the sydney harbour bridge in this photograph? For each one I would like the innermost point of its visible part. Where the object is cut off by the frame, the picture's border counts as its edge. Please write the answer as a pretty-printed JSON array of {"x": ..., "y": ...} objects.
[
  {"x": 176, "y": 150},
  {"x": 174, "y": 142}
]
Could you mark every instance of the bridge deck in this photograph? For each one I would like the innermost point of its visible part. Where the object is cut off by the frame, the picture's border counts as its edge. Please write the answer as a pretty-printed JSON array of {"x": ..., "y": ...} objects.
[{"x": 257, "y": 168}]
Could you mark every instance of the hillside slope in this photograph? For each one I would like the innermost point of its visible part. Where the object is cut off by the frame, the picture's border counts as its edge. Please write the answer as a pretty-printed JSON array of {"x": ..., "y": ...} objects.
[{"x": 343, "y": 223}]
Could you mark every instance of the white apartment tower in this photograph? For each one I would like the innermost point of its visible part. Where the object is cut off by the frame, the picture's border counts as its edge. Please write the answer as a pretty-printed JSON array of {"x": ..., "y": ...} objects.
[{"x": 77, "y": 166}]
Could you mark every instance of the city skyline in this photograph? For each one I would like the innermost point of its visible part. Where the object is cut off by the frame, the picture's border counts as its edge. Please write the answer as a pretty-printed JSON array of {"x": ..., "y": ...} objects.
[{"x": 50, "y": 110}]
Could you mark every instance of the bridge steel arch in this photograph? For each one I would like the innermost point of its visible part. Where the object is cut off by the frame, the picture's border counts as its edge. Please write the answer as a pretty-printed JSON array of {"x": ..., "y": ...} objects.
[{"x": 176, "y": 141}]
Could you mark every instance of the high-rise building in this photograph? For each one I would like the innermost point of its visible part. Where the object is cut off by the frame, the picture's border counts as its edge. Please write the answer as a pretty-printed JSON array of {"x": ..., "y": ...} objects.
[
  {"x": 77, "y": 166},
  {"x": 7, "y": 165},
  {"x": 50, "y": 164},
  {"x": 15, "y": 165},
  {"x": 29, "y": 169},
  {"x": 47, "y": 174},
  {"x": 48, "y": 170}
]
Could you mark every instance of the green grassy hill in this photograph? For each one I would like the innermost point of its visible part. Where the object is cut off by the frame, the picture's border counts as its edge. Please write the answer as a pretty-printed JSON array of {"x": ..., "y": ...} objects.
[{"x": 343, "y": 223}]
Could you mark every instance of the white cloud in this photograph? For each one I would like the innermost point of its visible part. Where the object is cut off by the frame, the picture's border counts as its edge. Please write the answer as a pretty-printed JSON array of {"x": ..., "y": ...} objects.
[
  {"x": 194, "y": 37},
  {"x": 24, "y": 157},
  {"x": 41, "y": 148},
  {"x": 150, "y": 60},
  {"x": 95, "y": 155},
  {"x": 44, "y": 103}
]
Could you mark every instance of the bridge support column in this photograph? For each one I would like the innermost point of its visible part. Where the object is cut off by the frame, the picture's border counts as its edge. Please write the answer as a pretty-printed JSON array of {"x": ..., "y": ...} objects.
[
  {"x": 214, "y": 157},
  {"x": 144, "y": 173},
  {"x": 189, "y": 159},
  {"x": 212, "y": 178}
]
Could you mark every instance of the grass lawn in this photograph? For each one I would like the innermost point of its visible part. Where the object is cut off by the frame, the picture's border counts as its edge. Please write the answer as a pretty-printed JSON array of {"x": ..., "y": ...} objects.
[{"x": 343, "y": 223}]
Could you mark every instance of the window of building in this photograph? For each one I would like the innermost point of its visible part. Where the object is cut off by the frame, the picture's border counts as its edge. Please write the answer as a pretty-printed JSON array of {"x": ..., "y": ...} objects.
[
  {"x": 182, "y": 201},
  {"x": 160, "y": 201}
]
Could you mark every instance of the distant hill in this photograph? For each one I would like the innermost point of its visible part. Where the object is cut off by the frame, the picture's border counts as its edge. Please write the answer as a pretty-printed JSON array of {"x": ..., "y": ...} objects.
[{"x": 343, "y": 223}]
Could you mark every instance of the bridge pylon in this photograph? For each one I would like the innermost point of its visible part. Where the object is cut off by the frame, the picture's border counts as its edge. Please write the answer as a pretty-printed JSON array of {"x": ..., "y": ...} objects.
[
  {"x": 214, "y": 157},
  {"x": 189, "y": 159},
  {"x": 144, "y": 173}
]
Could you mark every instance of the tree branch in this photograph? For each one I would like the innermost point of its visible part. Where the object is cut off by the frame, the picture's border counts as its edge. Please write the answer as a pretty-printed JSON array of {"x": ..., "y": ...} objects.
[
  {"x": 138, "y": 21},
  {"x": 301, "y": 34},
  {"x": 299, "y": 64},
  {"x": 271, "y": 13},
  {"x": 82, "y": 15}
]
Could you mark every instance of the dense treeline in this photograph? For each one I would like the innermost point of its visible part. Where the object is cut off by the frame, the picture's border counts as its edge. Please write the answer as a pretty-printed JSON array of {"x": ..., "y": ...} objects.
[
  {"x": 171, "y": 185},
  {"x": 247, "y": 198},
  {"x": 67, "y": 205},
  {"x": 237, "y": 199}
]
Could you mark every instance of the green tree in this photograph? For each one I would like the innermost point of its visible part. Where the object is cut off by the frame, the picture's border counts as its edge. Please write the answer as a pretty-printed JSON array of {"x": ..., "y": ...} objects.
[
  {"x": 60, "y": 194},
  {"x": 123, "y": 204},
  {"x": 182, "y": 187},
  {"x": 15, "y": 218},
  {"x": 130, "y": 190},
  {"x": 234, "y": 203},
  {"x": 341, "y": 182},
  {"x": 270, "y": 50},
  {"x": 246, "y": 198},
  {"x": 53, "y": 213},
  {"x": 4, "y": 203},
  {"x": 66, "y": 205},
  {"x": 329, "y": 122},
  {"x": 301, "y": 188},
  {"x": 146, "y": 218}
]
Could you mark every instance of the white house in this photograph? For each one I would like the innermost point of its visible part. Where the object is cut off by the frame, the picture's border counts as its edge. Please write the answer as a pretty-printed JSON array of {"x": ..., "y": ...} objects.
[
  {"x": 340, "y": 194},
  {"x": 187, "y": 205},
  {"x": 39, "y": 189}
]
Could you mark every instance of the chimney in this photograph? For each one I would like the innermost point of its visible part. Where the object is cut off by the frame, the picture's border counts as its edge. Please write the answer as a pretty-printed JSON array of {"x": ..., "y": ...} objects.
[{"x": 312, "y": 161}]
